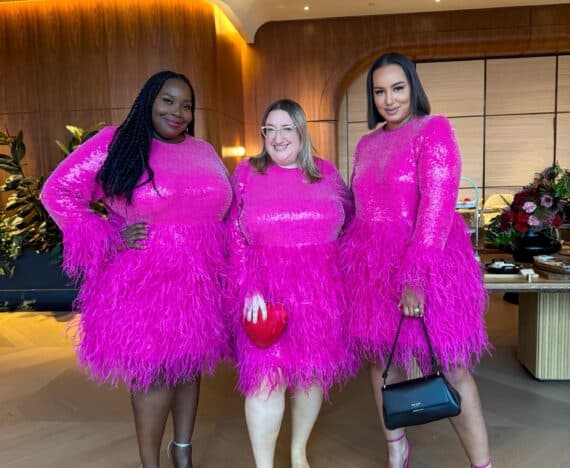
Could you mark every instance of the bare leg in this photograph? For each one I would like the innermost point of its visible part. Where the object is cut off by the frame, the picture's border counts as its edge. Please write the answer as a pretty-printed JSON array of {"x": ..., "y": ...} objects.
[
  {"x": 184, "y": 406},
  {"x": 305, "y": 410},
  {"x": 264, "y": 414},
  {"x": 151, "y": 412},
  {"x": 470, "y": 423},
  {"x": 397, "y": 450}
]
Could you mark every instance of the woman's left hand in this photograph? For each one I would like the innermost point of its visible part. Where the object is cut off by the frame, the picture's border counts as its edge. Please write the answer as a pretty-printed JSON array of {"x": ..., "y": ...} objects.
[{"x": 412, "y": 302}]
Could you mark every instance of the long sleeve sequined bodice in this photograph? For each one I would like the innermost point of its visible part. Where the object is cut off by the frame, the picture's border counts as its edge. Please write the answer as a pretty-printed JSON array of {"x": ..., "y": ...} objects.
[
  {"x": 407, "y": 234},
  {"x": 283, "y": 208},
  {"x": 191, "y": 187},
  {"x": 408, "y": 179}
]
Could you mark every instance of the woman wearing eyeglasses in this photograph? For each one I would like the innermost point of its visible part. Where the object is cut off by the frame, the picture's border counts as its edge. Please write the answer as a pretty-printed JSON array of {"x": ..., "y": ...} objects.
[{"x": 288, "y": 213}]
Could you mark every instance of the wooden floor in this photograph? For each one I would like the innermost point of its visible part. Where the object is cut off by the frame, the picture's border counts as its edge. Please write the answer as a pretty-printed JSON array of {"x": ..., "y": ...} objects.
[{"x": 51, "y": 416}]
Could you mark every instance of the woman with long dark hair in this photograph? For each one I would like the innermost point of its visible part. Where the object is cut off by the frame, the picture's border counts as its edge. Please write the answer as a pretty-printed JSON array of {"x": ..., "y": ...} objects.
[
  {"x": 150, "y": 301},
  {"x": 408, "y": 252}
]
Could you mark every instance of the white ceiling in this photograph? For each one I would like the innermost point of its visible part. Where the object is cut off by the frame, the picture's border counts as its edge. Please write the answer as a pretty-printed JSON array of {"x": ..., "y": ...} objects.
[{"x": 248, "y": 15}]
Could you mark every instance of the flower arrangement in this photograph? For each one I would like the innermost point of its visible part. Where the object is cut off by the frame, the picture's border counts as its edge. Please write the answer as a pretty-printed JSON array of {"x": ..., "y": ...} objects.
[{"x": 537, "y": 208}]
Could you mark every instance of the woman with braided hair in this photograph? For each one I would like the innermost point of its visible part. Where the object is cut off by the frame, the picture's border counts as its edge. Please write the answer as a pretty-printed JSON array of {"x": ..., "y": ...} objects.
[{"x": 150, "y": 302}]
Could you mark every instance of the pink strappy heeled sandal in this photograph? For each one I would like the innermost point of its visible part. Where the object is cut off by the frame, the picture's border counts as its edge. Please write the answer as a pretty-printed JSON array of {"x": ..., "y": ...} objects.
[{"x": 408, "y": 449}]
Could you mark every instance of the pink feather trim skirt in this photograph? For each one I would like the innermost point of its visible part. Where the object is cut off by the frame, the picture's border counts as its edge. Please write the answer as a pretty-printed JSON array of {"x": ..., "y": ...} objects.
[
  {"x": 313, "y": 349},
  {"x": 378, "y": 263},
  {"x": 155, "y": 314}
]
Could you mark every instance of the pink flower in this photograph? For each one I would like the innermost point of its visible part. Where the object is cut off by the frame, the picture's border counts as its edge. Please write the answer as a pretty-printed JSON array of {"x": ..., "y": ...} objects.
[
  {"x": 533, "y": 221},
  {"x": 546, "y": 201},
  {"x": 529, "y": 207}
]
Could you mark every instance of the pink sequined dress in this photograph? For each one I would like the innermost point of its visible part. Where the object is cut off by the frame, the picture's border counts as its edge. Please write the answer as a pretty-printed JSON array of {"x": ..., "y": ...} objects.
[
  {"x": 406, "y": 232},
  {"x": 284, "y": 235},
  {"x": 157, "y": 312}
]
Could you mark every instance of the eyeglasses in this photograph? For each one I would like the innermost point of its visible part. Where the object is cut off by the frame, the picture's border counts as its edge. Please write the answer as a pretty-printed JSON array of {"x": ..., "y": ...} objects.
[{"x": 269, "y": 131}]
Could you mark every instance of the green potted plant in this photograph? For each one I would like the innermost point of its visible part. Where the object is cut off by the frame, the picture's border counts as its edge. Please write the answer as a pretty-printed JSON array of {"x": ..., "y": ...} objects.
[{"x": 30, "y": 241}]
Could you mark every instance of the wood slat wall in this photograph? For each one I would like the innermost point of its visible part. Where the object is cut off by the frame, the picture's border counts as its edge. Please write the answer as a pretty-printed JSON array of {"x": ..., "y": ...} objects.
[
  {"x": 84, "y": 61},
  {"x": 314, "y": 62}
]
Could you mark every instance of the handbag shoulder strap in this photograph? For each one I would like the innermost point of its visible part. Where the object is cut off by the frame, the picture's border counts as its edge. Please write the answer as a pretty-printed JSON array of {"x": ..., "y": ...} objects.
[{"x": 434, "y": 364}]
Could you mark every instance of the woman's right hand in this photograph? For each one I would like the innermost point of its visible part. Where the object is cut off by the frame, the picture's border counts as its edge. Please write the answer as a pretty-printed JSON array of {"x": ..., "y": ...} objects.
[
  {"x": 134, "y": 234},
  {"x": 412, "y": 302},
  {"x": 252, "y": 306}
]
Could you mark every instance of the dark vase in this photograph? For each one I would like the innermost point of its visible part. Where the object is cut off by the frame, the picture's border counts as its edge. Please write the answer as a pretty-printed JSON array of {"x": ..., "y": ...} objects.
[{"x": 533, "y": 244}]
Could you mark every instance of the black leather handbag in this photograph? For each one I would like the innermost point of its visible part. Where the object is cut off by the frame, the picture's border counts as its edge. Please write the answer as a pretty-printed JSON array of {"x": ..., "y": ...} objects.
[{"x": 418, "y": 401}]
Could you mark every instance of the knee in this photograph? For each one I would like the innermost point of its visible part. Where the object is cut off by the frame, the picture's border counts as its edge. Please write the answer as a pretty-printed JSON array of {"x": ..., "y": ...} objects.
[
  {"x": 459, "y": 376},
  {"x": 265, "y": 398}
]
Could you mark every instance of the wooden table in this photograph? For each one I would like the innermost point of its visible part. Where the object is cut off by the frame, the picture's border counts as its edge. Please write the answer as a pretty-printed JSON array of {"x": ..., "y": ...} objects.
[{"x": 544, "y": 323}]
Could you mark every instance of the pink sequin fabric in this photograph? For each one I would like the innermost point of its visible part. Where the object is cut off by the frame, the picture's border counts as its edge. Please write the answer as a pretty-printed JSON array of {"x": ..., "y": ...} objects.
[
  {"x": 283, "y": 241},
  {"x": 406, "y": 233},
  {"x": 152, "y": 313}
]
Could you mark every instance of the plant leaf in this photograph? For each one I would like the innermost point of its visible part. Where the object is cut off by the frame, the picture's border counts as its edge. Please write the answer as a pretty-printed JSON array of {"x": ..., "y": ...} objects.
[
  {"x": 10, "y": 168},
  {"x": 18, "y": 148},
  {"x": 75, "y": 131},
  {"x": 62, "y": 147}
]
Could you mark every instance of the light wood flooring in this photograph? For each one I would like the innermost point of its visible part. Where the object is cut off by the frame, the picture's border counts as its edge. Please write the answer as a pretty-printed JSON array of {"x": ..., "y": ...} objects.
[{"x": 52, "y": 416}]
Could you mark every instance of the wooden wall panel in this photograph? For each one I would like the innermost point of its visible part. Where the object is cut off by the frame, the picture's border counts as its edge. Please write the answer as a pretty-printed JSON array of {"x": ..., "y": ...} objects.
[
  {"x": 58, "y": 56},
  {"x": 17, "y": 56},
  {"x": 206, "y": 124},
  {"x": 563, "y": 140},
  {"x": 125, "y": 79},
  {"x": 507, "y": 77},
  {"x": 90, "y": 55},
  {"x": 322, "y": 57},
  {"x": 469, "y": 132},
  {"x": 323, "y": 136},
  {"x": 199, "y": 53},
  {"x": 564, "y": 83},
  {"x": 454, "y": 88},
  {"x": 83, "y": 61},
  {"x": 551, "y": 28},
  {"x": 357, "y": 99},
  {"x": 517, "y": 147},
  {"x": 229, "y": 51}
]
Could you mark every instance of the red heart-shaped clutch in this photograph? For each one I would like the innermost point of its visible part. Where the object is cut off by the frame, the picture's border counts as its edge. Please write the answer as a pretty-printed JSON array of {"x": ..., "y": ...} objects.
[{"x": 265, "y": 333}]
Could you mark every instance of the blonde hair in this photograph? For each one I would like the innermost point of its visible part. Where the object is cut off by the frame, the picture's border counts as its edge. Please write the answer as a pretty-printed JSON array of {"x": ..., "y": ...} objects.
[{"x": 305, "y": 158}]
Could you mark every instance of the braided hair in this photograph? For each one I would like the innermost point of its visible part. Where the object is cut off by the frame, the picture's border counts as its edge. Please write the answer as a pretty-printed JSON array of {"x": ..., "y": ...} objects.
[{"x": 128, "y": 156}]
